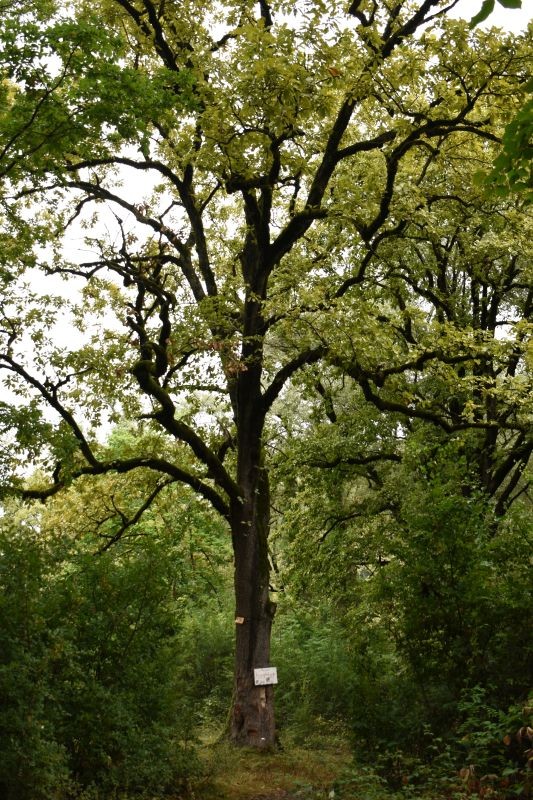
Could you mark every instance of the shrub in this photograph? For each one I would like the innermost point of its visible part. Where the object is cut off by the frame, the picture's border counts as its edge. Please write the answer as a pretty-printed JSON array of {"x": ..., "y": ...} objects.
[{"x": 88, "y": 679}]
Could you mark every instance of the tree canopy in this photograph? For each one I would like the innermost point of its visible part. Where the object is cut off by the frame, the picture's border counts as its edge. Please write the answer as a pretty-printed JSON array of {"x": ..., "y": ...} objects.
[{"x": 251, "y": 200}]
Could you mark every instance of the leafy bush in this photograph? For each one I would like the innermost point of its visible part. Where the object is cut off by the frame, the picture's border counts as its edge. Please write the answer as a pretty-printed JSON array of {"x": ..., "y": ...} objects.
[
  {"x": 458, "y": 577},
  {"x": 413, "y": 595},
  {"x": 88, "y": 678},
  {"x": 316, "y": 670},
  {"x": 497, "y": 746},
  {"x": 205, "y": 660}
]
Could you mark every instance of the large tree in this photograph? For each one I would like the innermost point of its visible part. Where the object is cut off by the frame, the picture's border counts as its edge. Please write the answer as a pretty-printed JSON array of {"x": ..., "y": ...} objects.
[{"x": 234, "y": 170}]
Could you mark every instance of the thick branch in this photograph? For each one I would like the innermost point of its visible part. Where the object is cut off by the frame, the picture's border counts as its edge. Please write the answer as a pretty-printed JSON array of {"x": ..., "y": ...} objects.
[
  {"x": 184, "y": 260},
  {"x": 152, "y": 31},
  {"x": 520, "y": 454},
  {"x": 355, "y": 461},
  {"x": 129, "y": 465},
  {"x": 409, "y": 410},
  {"x": 310, "y": 356},
  {"x": 420, "y": 17},
  {"x": 370, "y": 144},
  {"x": 300, "y": 223},
  {"x": 195, "y": 218},
  {"x": 144, "y": 372},
  {"x": 49, "y": 394},
  {"x": 266, "y": 13}
]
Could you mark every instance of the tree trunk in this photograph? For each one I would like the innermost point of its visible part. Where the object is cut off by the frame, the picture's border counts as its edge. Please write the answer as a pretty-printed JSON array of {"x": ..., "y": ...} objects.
[{"x": 252, "y": 720}]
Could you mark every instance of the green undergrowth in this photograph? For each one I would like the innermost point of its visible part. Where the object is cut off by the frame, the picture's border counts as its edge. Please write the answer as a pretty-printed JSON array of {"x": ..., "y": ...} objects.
[
  {"x": 297, "y": 769},
  {"x": 327, "y": 765}
]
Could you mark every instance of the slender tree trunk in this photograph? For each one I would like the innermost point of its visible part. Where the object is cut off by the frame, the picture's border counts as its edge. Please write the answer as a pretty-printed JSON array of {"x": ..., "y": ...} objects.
[{"x": 252, "y": 721}]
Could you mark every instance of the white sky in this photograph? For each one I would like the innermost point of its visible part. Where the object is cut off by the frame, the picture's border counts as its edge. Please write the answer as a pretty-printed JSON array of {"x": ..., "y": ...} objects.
[{"x": 511, "y": 19}]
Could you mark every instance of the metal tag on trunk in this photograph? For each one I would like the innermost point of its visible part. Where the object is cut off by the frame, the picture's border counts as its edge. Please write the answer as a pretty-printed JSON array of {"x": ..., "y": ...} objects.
[{"x": 265, "y": 676}]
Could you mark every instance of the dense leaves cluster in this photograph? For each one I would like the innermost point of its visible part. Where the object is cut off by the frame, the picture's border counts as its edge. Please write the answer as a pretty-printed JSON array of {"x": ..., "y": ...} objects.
[
  {"x": 102, "y": 674},
  {"x": 87, "y": 676},
  {"x": 262, "y": 229}
]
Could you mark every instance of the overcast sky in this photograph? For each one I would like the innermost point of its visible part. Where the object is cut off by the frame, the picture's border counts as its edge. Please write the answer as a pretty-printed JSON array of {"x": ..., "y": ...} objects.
[{"x": 512, "y": 19}]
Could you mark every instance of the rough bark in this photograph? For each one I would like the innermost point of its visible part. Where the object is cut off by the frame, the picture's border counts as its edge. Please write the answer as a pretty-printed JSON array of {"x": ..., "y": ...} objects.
[
  {"x": 252, "y": 718},
  {"x": 252, "y": 721}
]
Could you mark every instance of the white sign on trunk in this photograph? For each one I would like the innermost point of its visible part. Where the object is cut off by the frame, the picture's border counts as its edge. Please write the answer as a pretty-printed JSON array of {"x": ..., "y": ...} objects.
[{"x": 265, "y": 676}]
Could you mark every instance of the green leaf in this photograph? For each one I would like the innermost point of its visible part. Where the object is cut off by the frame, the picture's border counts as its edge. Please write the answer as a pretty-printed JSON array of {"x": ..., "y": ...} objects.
[
  {"x": 486, "y": 9},
  {"x": 510, "y": 3}
]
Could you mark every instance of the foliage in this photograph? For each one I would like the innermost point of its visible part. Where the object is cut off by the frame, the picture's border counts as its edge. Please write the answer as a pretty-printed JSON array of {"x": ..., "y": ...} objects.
[
  {"x": 316, "y": 672},
  {"x": 309, "y": 222},
  {"x": 487, "y": 733},
  {"x": 205, "y": 661},
  {"x": 188, "y": 323},
  {"x": 88, "y": 678},
  {"x": 424, "y": 584},
  {"x": 513, "y": 166},
  {"x": 456, "y": 570},
  {"x": 51, "y": 64}
]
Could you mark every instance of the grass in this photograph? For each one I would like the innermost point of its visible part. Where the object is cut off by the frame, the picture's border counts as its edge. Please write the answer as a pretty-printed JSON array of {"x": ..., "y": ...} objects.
[{"x": 242, "y": 774}]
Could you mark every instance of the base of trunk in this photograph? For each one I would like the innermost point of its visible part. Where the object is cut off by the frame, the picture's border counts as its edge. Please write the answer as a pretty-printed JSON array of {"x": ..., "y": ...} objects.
[{"x": 252, "y": 722}]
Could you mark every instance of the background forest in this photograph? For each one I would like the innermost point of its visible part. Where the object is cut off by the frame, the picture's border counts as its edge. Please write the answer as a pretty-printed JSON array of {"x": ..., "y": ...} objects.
[{"x": 266, "y": 356}]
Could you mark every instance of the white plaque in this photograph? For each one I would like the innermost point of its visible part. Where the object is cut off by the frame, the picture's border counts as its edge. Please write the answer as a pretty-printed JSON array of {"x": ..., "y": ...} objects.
[{"x": 265, "y": 676}]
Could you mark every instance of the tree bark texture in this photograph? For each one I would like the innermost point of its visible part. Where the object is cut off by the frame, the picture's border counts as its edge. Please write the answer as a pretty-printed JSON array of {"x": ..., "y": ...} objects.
[{"x": 252, "y": 719}]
